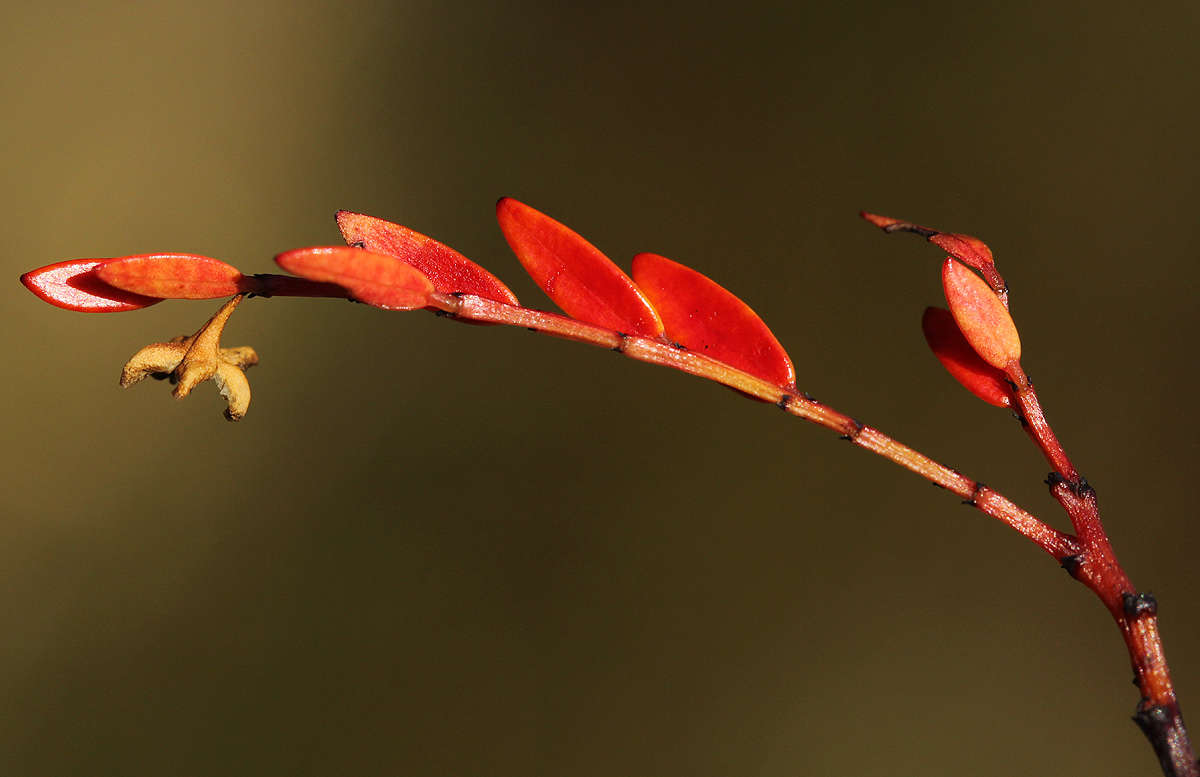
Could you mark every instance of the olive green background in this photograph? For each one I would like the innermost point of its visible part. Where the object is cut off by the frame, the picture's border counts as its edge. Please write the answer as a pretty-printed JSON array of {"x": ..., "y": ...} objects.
[{"x": 436, "y": 549}]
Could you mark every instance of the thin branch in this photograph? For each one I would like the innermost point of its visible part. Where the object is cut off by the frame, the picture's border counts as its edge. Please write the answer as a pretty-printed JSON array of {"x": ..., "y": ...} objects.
[{"x": 660, "y": 352}]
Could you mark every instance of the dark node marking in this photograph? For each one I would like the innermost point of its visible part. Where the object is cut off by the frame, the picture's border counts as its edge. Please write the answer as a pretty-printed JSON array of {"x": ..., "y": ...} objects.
[
  {"x": 783, "y": 401},
  {"x": 1072, "y": 564},
  {"x": 1080, "y": 488},
  {"x": 678, "y": 346},
  {"x": 359, "y": 244},
  {"x": 809, "y": 397},
  {"x": 458, "y": 294},
  {"x": 914, "y": 228},
  {"x": 975, "y": 492},
  {"x": 853, "y": 435},
  {"x": 1137, "y": 605},
  {"x": 936, "y": 484},
  {"x": 531, "y": 329},
  {"x": 1155, "y": 722},
  {"x": 262, "y": 277},
  {"x": 442, "y": 313},
  {"x": 1054, "y": 479},
  {"x": 620, "y": 347}
]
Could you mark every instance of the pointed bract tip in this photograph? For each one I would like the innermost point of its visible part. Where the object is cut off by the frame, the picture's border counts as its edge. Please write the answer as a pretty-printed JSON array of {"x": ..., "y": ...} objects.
[
  {"x": 74, "y": 285},
  {"x": 883, "y": 222},
  {"x": 967, "y": 249}
]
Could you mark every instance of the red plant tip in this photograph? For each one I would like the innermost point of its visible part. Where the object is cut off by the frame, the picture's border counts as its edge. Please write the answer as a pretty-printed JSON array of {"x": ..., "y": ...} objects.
[
  {"x": 883, "y": 222},
  {"x": 447, "y": 269},
  {"x": 175, "y": 276},
  {"x": 73, "y": 285},
  {"x": 971, "y": 251},
  {"x": 946, "y": 341},
  {"x": 981, "y": 315},
  {"x": 375, "y": 279},
  {"x": 704, "y": 317},
  {"x": 889, "y": 225},
  {"x": 575, "y": 274}
]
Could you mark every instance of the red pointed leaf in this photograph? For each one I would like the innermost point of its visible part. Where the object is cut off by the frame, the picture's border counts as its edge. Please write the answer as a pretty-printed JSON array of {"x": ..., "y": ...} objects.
[
  {"x": 981, "y": 315},
  {"x": 174, "y": 276},
  {"x": 449, "y": 270},
  {"x": 581, "y": 280},
  {"x": 73, "y": 285},
  {"x": 706, "y": 318},
  {"x": 378, "y": 280},
  {"x": 946, "y": 341},
  {"x": 971, "y": 251}
]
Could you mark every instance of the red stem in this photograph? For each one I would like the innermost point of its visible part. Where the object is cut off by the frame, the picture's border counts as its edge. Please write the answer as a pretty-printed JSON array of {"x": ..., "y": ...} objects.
[
  {"x": 1096, "y": 566},
  {"x": 667, "y": 354}
]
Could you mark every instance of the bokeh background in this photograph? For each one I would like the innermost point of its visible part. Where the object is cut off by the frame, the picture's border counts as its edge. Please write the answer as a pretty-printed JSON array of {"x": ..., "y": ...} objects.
[{"x": 439, "y": 549}]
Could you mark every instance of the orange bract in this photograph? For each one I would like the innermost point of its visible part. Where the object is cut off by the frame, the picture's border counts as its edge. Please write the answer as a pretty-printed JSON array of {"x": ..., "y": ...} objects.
[
  {"x": 375, "y": 279},
  {"x": 981, "y": 315},
  {"x": 574, "y": 273},
  {"x": 703, "y": 316},
  {"x": 73, "y": 285},
  {"x": 447, "y": 269},
  {"x": 173, "y": 276},
  {"x": 946, "y": 341}
]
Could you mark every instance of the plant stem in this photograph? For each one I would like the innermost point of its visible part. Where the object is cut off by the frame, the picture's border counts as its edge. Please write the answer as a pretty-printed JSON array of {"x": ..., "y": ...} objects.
[
  {"x": 1136, "y": 614},
  {"x": 1087, "y": 556},
  {"x": 664, "y": 353}
]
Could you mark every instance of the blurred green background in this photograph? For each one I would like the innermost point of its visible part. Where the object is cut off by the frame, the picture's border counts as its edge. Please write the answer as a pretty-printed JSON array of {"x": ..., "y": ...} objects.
[{"x": 438, "y": 549}]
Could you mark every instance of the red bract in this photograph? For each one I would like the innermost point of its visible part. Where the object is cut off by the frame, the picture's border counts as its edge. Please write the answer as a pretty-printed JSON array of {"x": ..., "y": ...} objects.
[
  {"x": 574, "y": 273},
  {"x": 378, "y": 280},
  {"x": 73, "y": 285},
  {"x": 447, "y": 269},
  {"x": 971, "y": 251},
  {"x": 981, "y": 316},
  {"x": 703, "y": 316},
  {"x": 960, "y": 360},
  {"x": 174, "y": 276}
]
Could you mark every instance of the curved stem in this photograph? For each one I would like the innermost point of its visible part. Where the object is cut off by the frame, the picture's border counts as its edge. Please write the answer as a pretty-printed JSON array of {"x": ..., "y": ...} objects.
[
  {"x": 664, "y": 353},
  {"x": 1136, "y": 614}
]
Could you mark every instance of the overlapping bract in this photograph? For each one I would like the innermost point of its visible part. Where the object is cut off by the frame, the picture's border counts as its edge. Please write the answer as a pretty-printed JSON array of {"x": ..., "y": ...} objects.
[
  {"x": 447, "y": 269},
  {"x": 574, "y": 273},
  {"x": 74, "y": 285},
  {"x": 946, "y": 341},
  {"x": 976, "y": 340},
  {"x": 376, "y": 279},
  {"x": 704, "y": 317}
]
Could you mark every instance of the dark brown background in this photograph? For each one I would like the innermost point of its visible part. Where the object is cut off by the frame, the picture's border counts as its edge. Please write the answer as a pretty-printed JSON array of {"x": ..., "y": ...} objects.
[{"x": 436, "y": 549}]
